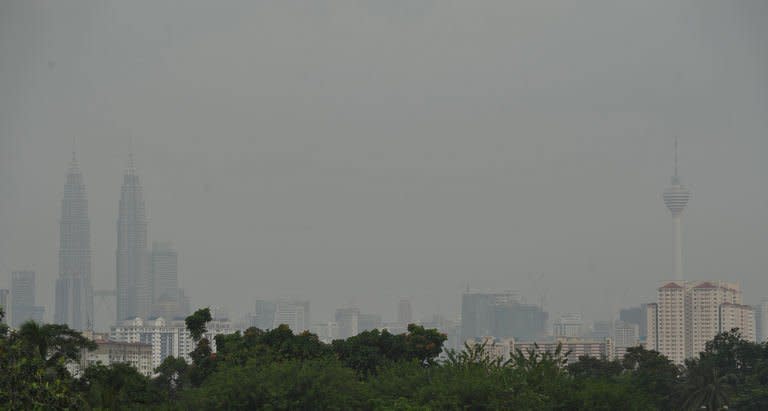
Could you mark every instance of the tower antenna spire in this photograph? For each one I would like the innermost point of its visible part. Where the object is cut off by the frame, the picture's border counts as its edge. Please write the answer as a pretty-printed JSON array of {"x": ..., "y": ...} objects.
[
  {"x": 676, "y": 156},
  {"x": 131, "y": 161}
]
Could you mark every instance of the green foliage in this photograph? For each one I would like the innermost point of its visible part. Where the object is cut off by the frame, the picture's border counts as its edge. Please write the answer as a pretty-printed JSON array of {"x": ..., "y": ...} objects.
[
  {"x": 321, "y": 384},
  {"x": 370, "y": 350},
  {"x": 118, "y": 386},
  {"x": 374, "y": 370},
  {"x": 197, "y": 321}
]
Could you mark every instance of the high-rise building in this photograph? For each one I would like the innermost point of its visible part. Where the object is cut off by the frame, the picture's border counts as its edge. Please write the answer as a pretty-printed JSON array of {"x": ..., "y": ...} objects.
[
  {"x": 636, "y": 315},
  {"x": 477, "y": 309},
  {"x": 602, "y": 329},
  {"x": 168, "y": 301},
  {"x": 625, "y": 335},
  {"x": 134, "y": 287},
  {"x": 568, "y": 325},
  {"x": 761, "y": 320},
  {"x": 676, "y": 197},
  {"x": 74, "y": 287},
  {"x": 348, "y": 321},
  {"x": 263, "y": 317},
  {"x": 500, "y": 315},
  {"x": 293, "y": 313},
  {"x": 689, "y": 314},
  {"x": 369, "y": 322},
  {"x": 23, "y": 306},
  {"x": 165, "y": 269},
  {"x": 404, "y": 312},
  {"x": 4, "y": 305}
]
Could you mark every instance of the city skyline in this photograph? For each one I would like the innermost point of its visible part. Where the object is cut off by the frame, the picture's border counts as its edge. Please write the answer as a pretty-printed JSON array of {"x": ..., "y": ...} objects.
[{"x": 394, "y": 150}]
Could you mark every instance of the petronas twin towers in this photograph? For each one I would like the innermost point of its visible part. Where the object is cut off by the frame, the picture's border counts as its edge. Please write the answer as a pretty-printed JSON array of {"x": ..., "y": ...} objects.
[{"x": 74, "y": 287}]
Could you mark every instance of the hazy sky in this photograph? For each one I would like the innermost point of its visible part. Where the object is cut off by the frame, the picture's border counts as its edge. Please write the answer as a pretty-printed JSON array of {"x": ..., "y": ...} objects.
[{"x": 360, "y": 151}]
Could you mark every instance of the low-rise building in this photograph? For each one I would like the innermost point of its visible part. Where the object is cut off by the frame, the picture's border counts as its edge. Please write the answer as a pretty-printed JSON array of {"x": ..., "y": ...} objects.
[{"x": 138, "y": 355}]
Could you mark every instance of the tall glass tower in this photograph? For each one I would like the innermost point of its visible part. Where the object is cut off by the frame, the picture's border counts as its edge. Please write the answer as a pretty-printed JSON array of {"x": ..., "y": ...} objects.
[
  {"x": 134, "y": 286},
  {"x": 74, "y": 287}
]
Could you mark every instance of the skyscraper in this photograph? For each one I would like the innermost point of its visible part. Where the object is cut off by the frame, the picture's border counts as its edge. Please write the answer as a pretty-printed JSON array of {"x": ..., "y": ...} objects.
[
  {"x": 404, "y": 312},
  {"x": 165, "y": 270},
  {"x": 23, "y": 306},
  {"x": 134, "y": 287},
  {"x": 500, "y": 314},
  {"x": 4, "y": 305},
  {"x": 74, "y": 287},
  {"x": 168, "y": 301},
  {"x": 676, "y": 197}
]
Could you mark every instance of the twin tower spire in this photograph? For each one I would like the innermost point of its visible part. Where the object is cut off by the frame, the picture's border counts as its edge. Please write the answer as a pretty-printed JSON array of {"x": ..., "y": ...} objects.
[{"x": 74, "y": 287}]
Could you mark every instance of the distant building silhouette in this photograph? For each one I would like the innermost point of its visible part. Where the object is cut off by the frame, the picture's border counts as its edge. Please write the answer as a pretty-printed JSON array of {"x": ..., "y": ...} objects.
[
  {"x": 368, "y": 322},
  {"x": 348, "y": 322},
  {"x": 169, "y": 301},
  {"x": 263, "y": 316},
  {"x": 134, "y": 288},
  {"x": 636, "y": 315},
  {"x": 4, "y": 305},
  {"x": 74, "y": 287},
  {"x": 568, "y": 325},
  {"x": 293, "y": 313},
  {"x": 500, "y": 315},
  {"x": 404, "y": 312},
  {"x": 23, "y": 306},
  {"x": 761, "y": 320}
]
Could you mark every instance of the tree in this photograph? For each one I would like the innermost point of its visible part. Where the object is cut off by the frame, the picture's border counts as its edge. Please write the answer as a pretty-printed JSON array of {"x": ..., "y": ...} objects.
[
  {"x": 290, "y": 384},
  {"x": 197, "y": 321},
  {"x": 118, "y": 386},
  {"x": 653, "y": 374},
  {"x": 370, "y": 350},
  {"x": 172, "y": 377},
  {"x": 705, "y": 387}
]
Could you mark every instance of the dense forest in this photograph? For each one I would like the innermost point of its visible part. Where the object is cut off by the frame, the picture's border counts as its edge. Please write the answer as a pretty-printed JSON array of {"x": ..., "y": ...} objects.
[{"x": 374, "y": 370}]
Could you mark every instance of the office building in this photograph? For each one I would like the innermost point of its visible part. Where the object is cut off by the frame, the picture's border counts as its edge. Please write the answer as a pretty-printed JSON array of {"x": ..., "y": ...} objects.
[
  {"x": 761, "y": 320},
  {"x": 636, "y": 315},
  {"x": 134, "y": 285},
  {"x": 4, "y": 306},
  {"x": 501, "y": 315},
  {"x": 74, "y": 287},
  {"x": 293, "y": 313},
  {"x": 625, "y": 335},
  {"x": 263, "y": 317},
  {"x": 602, "y": 329},
  {"x": 348, "y": 322},
  {"x": 369, "y": 322},
  {"x": 568, "y": 325},
  {"x": 326, "y": 332},
  {"x": 169, "y": 301},
  {"x": 404, "y": 311},
  {"x": 23, "y": 306}
]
